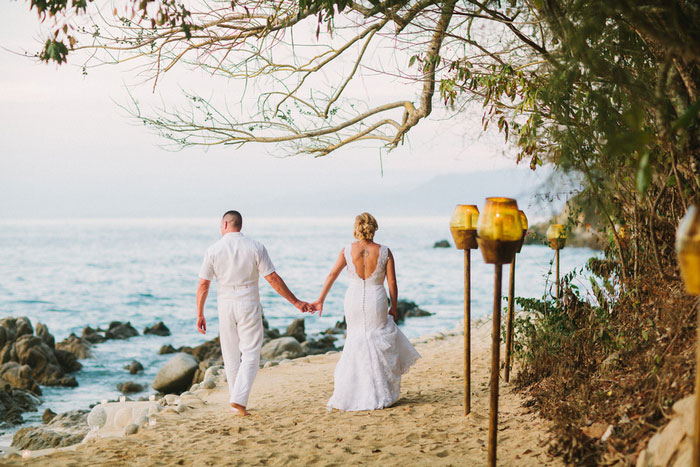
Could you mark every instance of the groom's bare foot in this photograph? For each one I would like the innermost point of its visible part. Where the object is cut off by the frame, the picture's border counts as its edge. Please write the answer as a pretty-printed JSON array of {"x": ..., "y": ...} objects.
[{"x": 239, "y": 409}]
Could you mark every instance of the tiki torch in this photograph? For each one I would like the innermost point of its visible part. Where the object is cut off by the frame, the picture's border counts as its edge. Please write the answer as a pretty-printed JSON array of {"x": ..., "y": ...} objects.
[
  {"x": 499, "y": 232},
  {"x": 688, "y": 250},
  {"x": 556, "y": 236},
  {"x": 463, "y": 228},
  {"x": 511, "y": 298}
]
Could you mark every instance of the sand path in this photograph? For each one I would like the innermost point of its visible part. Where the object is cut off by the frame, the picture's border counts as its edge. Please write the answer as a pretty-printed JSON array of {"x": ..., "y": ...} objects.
[{"x": 290, "y": 425}]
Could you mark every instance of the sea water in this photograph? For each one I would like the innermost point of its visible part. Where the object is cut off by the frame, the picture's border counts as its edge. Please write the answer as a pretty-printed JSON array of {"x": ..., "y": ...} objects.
[{"x": 69, "y": 274}]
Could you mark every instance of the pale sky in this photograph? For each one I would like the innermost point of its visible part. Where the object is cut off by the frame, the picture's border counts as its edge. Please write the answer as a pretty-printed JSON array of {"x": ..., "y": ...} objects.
[{"x": 68, "y": 150}]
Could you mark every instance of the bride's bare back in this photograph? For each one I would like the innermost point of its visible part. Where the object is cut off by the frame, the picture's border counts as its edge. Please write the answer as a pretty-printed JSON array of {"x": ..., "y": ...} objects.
[{"x": 365, "y": 256}]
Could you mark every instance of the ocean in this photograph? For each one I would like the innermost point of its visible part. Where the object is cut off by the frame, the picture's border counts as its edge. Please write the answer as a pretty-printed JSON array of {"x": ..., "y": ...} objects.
[{"x": 69, "y": 274}]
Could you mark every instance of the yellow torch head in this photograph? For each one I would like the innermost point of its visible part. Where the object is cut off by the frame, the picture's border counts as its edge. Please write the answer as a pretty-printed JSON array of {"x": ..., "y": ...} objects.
[
  {"x": 499, "y": 230},
  {"x": 463, "y": 226},
  {"x": 556, "y": 236},
  {"x": 688, "y": 250}
]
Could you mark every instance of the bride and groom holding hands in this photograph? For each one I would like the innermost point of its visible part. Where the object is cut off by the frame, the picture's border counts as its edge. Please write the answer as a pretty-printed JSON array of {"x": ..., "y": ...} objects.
[{"x": 376, "y": 352}]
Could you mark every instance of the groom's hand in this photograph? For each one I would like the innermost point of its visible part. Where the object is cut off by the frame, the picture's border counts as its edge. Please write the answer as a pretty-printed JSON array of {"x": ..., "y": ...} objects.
[
  {"x": 201, "y": 324},
  {"x": 304, "y": 307}
]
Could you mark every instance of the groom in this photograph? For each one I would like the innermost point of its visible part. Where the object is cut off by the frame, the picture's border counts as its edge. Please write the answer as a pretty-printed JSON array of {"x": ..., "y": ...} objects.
[{"x": 236, "y": 261}]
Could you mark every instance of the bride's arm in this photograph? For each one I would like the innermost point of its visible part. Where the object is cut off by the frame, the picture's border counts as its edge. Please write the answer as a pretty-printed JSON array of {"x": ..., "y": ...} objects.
[
  {"x": 393, "y": 286},
  {"x": 330, "y": 280}
]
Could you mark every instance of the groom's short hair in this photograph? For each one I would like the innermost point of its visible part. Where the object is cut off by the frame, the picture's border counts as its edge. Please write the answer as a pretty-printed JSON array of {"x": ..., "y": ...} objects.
[{"x": 234, "y": 217}]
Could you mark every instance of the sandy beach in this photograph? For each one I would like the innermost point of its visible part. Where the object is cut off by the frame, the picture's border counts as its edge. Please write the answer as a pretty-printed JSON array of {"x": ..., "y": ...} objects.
[{"x": 289, "y": 424}]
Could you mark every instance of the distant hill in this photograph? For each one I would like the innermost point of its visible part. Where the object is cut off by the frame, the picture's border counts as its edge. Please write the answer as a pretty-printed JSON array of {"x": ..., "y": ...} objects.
[{"x": 434, "y": 198}]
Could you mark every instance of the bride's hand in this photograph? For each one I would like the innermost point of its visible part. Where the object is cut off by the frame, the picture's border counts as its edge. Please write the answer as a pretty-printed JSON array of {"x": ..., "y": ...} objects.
[{"x": 318, "y": 306}]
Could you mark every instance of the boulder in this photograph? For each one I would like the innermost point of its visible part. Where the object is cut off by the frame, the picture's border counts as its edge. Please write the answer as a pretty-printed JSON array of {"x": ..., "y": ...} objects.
[
  {"x": 408, "y": 309},
  {"x": 63, "y": 430},
  {"x": 129, "y": 387},
  {"x": 284, "y": 347},
  {"x": 158, "y": 329},
  {"x": 24, "y": 327},
  {"x": 119, "y": 330},
  {"x": 19, "y": 376},
  {"x": 80, "y": 347},
  {"x": 297, "y": 330},
  {"x": 167, "y": 349},
  {"x": 46, "y": 369},
  {"x": 134, "y": 367},
  {"x": 68, "y": 361},
  {"x": 92, "y": 336},
  {"x": 441, "y": 244},
  {"x": 320, "y": 346},
  {"x": 15, "y": 401},
  {"x": 43, "y": 333},
  {"x": 176, "y": 375},
  {"x": 48, "y": 415}
]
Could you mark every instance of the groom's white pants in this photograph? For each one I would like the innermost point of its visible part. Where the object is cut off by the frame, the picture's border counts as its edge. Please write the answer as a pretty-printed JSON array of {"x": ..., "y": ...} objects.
[{"x": 241, "y": 336}]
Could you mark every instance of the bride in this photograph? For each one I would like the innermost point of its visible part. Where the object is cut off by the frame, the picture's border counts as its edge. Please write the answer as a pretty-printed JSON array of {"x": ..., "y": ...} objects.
[{"x": 376, "y": 352}]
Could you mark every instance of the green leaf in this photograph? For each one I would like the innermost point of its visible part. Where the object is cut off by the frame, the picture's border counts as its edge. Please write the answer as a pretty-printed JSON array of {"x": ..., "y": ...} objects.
[{"x": 412, "y": 60}]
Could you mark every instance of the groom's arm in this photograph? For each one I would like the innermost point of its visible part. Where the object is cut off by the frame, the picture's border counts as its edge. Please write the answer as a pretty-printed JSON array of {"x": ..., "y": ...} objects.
[
  {"x": 281, "y": 288},
  {"x": 202, "y": 292}
]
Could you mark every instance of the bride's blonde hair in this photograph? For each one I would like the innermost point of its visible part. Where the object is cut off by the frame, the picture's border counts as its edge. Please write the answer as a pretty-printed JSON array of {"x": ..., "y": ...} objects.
[{"x": 365, "y": 226}]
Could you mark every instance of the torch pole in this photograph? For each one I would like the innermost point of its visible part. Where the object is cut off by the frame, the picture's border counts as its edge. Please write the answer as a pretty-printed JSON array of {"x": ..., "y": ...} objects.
[
  {"x": 495, "y": 359},
  {"x": 556, "y": 255},
  {"x": 696, "y": 434},
  {"x": 509, "y": 328},
  {"x": 467, "y": 332}
]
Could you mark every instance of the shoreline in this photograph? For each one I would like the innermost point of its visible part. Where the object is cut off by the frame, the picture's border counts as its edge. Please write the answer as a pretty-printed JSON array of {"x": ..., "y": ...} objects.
[{"x": 290, "y": 423}]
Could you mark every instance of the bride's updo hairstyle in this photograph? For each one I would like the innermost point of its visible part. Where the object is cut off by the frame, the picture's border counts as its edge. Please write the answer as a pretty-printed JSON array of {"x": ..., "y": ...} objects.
[{"x": 365, "y": 226}]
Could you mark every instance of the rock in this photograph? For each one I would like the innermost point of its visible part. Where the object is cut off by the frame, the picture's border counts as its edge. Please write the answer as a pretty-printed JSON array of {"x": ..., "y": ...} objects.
[
  {"x": 442, "y": 244},
  {"x": 24, "y": 327},
  {"x": 129, "y": 387},
  {"x": 297, "y": 330},
  {"x": 134, "y": 367},
  {"x": 208, "y": 384},
  {"x": 408, "y": 309},
  {"x": 43, "y": 333},
  {"x": 194, "y": 387},
  {"x": 64, "y": 430},
  {"x": 608, "y": 433},
  {"x": 167, "y": 349},
  {"x": 97, "y": 417},
  {"x": 68, "y": 361},
  {"x": 176, "y": 375},
  {"x": 171, "y": 399},
  {"x": 75, "y": 345},
  {"x": 343, "y": 325},
  {"x": 284, "y": 347},
  {"x": 158, "y": 329},
  {"x": 270, "y": 364},
  {"x": 119, "y": 330},
  {"x": 13, "y": 402},
  {"x": 131, "y": 429},
  {"x": 48, "y": 415},
  {"x": 320, "y": 346},
  {"x": 92, "y": 336},
  {"x": 272, "y": 333},
  {"x": 213, "y": 371},
  {"x": 334, "y": 330},
  {"x": 180, "y": 408},
  {"x": 19, "y": 376}
]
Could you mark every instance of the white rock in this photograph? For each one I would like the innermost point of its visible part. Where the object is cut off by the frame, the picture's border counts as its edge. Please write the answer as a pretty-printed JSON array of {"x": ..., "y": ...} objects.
[
  {"x": 131, "y": 429},
  {"x": 180, "y": 408},
  {"x": 331, "y": 352},
  {"x": 170, "y": 399},
  {"x": 208, "y": 384},
  {"x": 608, "y": 433},
  {"x": 212, "y": 371},
  {"x": 176, "y": 375},
  {"x": 194, "y": 388},
  {"x": 269, "y": 364},
  {"x": 97, "y": 417},
  {"x": 122, "y": 417},
  {"x": 282, "y": 347}
]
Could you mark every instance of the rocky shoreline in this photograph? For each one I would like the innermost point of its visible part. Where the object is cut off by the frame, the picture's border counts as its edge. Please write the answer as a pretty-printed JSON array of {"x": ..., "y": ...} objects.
[{"x": 31, "y": 358}]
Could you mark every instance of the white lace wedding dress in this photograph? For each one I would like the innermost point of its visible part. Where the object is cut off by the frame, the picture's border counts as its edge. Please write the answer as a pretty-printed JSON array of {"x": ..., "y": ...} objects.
[{"x": 376, "y": 352}]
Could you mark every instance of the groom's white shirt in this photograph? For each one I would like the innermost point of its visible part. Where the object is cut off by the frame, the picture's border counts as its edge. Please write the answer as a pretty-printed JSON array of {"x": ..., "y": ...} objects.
[{"x": 236, "y": 261}]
